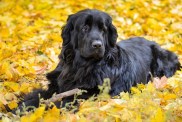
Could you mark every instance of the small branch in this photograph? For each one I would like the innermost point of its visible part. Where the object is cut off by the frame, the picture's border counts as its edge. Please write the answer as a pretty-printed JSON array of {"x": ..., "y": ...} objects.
[{"x": 58, "y": 97}]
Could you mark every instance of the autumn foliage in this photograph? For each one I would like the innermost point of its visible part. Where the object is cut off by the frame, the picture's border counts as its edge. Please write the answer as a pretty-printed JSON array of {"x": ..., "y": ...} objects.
[{"x": 30, "y": 43}]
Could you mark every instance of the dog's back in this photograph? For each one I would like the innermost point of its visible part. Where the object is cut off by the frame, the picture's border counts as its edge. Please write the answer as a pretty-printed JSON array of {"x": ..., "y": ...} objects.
[{"x": 161, "y": 62}]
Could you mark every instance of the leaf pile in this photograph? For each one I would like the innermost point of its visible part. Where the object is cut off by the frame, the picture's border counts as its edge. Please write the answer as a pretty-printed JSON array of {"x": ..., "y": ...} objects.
[{"x": 30, "y": 43}]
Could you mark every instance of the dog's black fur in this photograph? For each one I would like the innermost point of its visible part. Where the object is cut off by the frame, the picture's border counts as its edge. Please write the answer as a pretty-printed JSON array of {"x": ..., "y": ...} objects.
[{"x": 90, "y": 54}]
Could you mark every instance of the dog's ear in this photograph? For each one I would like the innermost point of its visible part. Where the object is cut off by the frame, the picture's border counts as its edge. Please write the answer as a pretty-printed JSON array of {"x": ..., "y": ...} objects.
[
  {"x": 67, "y": 52},
  {"x": 173, "y": 63},
  {"x": 164, "y": 62},
  {"x": 66, "y": 31},
  {"x": 112, "y": 34}
]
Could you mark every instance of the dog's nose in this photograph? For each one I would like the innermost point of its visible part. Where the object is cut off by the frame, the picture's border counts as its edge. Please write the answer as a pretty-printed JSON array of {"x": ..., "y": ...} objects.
[{"x": 97, "y": 44}]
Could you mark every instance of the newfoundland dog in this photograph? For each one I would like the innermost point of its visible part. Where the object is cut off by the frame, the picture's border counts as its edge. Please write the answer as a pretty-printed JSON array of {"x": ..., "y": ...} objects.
[{"x": 90, "y": 54}]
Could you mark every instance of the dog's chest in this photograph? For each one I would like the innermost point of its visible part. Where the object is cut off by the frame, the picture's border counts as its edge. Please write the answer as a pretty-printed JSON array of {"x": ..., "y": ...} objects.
[{"x": 100, "y": 72}]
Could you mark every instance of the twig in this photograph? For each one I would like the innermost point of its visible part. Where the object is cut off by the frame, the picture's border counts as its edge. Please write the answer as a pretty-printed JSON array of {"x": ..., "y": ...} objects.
[{"x": 58, "y": 97}]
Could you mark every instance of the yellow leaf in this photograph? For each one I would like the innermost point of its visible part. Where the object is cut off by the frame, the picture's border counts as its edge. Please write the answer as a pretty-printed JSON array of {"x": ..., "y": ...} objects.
[
  {"x": 14, "y": 86},
  {"x": 34, "y": 117},
  {"x": 12, "y": 105},
  {"x": 125, "y": 96},
  {"x": 10, "y": 96},
  {"x": 52, "y": 115},
  {"x": 5, "y": 32},
  {"x": 135, "y": 90},
  {"x": 140, "y": 86},
  {"x": 25, "y": 87},
  {"x": 150, "y": 87},
  {"x": 6, "y": 69},
  {"x": 38, "y": 113},
  {"x": 169, "y": 96},
  {"x": 158, "y": 116}
]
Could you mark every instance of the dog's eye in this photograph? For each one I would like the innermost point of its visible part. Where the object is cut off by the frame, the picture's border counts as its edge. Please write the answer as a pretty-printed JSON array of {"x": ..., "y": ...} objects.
[
  {"x": 103, "y": 28},
  {"x": 85, "y": 28}
]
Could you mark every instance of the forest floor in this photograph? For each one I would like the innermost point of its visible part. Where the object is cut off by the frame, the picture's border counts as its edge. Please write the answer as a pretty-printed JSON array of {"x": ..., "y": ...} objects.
[{"x": 30, "y": 43}]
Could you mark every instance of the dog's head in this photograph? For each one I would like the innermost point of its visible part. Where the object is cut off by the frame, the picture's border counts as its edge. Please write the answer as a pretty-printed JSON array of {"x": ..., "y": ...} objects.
[
  {"x": 165, "y": 62},
  {"x": 90, "y": 33}
]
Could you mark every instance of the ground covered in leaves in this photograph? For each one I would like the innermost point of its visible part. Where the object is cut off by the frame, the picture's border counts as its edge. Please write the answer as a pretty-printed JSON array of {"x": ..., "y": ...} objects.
[{"x": 30, "y": 43}]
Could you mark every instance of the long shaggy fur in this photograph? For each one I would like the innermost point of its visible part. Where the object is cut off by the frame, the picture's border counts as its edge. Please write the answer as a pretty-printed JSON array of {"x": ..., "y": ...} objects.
[{"x": 125, "y": 63}]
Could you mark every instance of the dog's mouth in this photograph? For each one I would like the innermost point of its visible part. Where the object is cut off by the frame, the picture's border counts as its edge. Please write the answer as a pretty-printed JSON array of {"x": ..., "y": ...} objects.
[{"x": 97, "y": 55}]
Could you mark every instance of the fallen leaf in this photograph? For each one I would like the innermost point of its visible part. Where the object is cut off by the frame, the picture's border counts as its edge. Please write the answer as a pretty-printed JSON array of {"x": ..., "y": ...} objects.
[
  {"x": 12, "y": 104},
  {"x": 160, "y": 83}
]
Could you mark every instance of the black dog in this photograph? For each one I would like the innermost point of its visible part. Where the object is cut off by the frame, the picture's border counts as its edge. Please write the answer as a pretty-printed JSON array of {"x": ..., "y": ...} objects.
[{"x": 90, "y": 54}]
